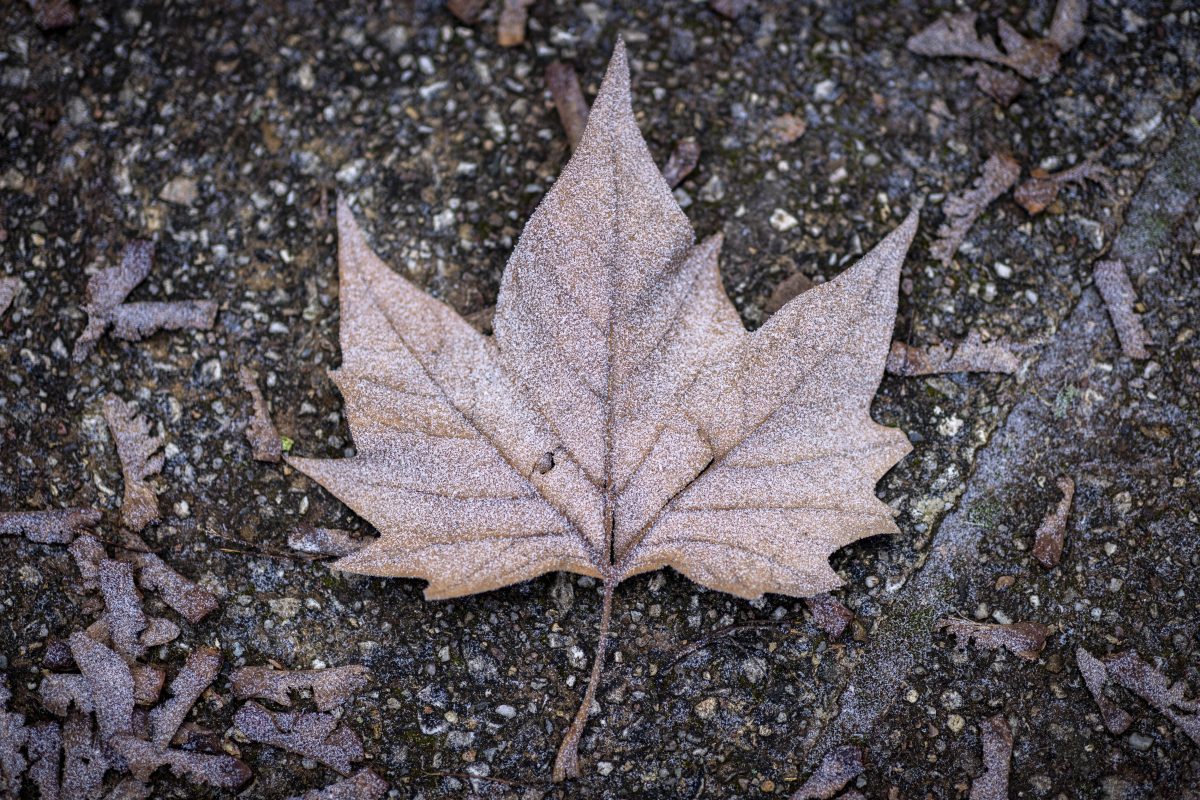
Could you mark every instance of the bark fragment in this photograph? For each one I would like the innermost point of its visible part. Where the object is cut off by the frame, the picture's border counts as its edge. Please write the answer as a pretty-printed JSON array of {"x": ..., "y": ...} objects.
[{"x": 1048, "y": 540}]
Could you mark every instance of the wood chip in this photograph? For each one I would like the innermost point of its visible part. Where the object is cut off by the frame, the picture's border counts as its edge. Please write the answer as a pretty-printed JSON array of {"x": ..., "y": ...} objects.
[
  {"x": 1026, "y": 639},
  {"x": 363, "y": 785},
  {"x": 1112, "y": 281},
  {"x": 514, "y": 15},
  {"x": 997, "y": 741},
  {"x": 839, "y": 766},
  {"x": 572, "y": 108},
  {"x": 330, "y": 687},
  {"x": 683, "y": 160},
  {"x": 264, "y": 439},
  {"x": 59, "y": 526},
  {"x": 999, "y": 173},
  {"x": 1095, "y": 676},
  {"x": 308, "y": 734},
  {"x": 969, "y": 355},
  {"x": 141, "y": 457}
]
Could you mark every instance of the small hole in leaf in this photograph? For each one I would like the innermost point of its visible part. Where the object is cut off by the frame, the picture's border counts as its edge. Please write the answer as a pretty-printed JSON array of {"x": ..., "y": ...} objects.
[{"x": 545, "y": 463}]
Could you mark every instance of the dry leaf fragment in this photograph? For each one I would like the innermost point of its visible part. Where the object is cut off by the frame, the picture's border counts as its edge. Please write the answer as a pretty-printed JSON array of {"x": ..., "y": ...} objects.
[
  {"x": 105, "y": 305},
  {"x": 59, "y": 692},
  {"x": 621, "y": 419},
  {"x": 129, "y": 789},
  {"x": 8, "y": 292},
  {"x": 190, "y": 600},
  {"x": 13, "y": 737},
  {"x": 220, "y": 770},
  {"x": 828, "y": 614},
  {"x": 955, "y": 36},
  {"x": 88, "y": 553},
  {"x": 45, "y": 757},
  {"x": 123, "y": 615},
  {"x": 1048, "y": 540},
  {"x": 467, "y": 11},
  {"x": 362, "y": 785},
  {"x": 141, "y": 457},
  {"x": 84, "y": 761},
  {"x": 999, "y": 173},
  {"x": 198, "y": 673},
  {"x": 1095, "y": 676},
  {"x": 997, "y": 741},
  {"x": 839, "y": 766},
  {"x": 970, "y": 355},
  {"x": 324, "y": 541},
  {"x": 59, "y": 526},
  {"x": 1042, "y": 188},
  {"x": 309, "y": 734},
  {"x": 330, "y": 687},
  {"x": 1001, "y": 86},
  {"x": 572, "y": 108},
  {"x": 683, "y": 160},
  {"x": 787, "y": 290},
  {"x": 1129, "y": 671},
  {"x": 261, "y": 433},
  {"x": 110, "y": 683},
  {"x": 514, "y": 15},
  {"x": 1113, "y": 283},
  {"x": 1026, "y": 639}
]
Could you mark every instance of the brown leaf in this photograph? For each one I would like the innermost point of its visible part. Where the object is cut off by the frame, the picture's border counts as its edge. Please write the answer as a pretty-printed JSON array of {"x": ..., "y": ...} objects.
[
  {"x": 683, "y": 160},
  {"x": 59, "y": 526},
  {"x": 1048, "y": 540},
  {"x": 1095, "y": 675},
  {"x": 105, "y": 305},
  {"x": 191, "y": 601},
  {"x": 828, "y": 614},
  {"x": 997, "y": 741},
  {"x": 219, "y": 770},
  {"x": 84, "y": 761},
  {"x": 8, "y": 292},
  {"x": 514, "y": 15},
  {"x": 140, "y": 459},
  {"x": 1041, "y": 190},
  {"x": 197, "y": 674},
  {"x": 110, "y": 683},
  {"x": 1026, "y": 639},
  {"x": 261, "y": 433},
  {"x": 1001, "y": 86},
  {"x": 563, "y": 84},
  {"x": 324, "y": 541},
  {"x": 13, "y": 737},
  {"x": 999, "y": 173},
  {"x": 309, "y": 734},
  {"x": 1113, "y": 283},
  {"x": 839, "y": 766},
  {"x": 45, "y": 758},
  {"x": 970, "y": 355},
  {"x": 88, "y": 553},
  {"x": 123, "y": 615},
  {"x": 621, "y": 419},
  {"x": 330, "y": 687},
  {"x": 362, "y": 785}
]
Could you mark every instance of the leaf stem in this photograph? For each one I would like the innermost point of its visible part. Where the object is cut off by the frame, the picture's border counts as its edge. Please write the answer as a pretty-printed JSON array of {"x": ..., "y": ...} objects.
[{"x": 566, "y": 763}]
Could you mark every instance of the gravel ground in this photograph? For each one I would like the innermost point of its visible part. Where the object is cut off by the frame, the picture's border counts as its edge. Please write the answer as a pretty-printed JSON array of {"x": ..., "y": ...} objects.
[{"x": 225, "y": 132}]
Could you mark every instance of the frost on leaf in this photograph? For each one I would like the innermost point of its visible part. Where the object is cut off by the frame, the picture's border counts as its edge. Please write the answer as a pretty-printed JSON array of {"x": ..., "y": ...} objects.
[
  {"x": 188, "y": 599},
  {"x": 969, "y": 355},
  {"x": 1042, "y": 188},
  {"x": 141, "y": 457},
  {"x": 1095, "y": 676},
  {"x": 261, "y": 433},
  {"x": 306, "y": 733},
  {"x": 13, "y": 737},
  {"x": 828, "y": 614},
  {"x": 1169, "y": 699},
  {"x": 8, "y": 291},
  {"x": 997, "y": 741},
  {"x": 839, "y": 766},
  {"x": 45, "y": 757},
  {"x": 59, "y": 526},
  {"x": 1026, "y": 639},
  {"x": 197, "y": 674},
  {"x": 621, "y": 419},
  {"x": 999, "y": 173},
  {"x": 1113, "y": 282},
  {"x": 305, "y": 538},
  {"x": 1048, "y": 540},
  {"x": 330, "y": 687},
  {"x": 362, "y": 785},
  {"x": 106, "y": 306}
]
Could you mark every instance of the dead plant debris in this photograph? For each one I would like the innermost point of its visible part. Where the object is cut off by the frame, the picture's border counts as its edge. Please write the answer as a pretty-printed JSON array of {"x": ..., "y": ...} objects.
[
  {"x": 997, "y": 740},
  {"x": 260, "y": 432},
  {"x": 141, "y": 458},
  {"x": 999, "y": 174},
  {"x": 58, "y": 526},
  {"x": 1025, "y": 639},
  {"x": 1048, "y": 540},
  {"x": 969, "y": 355},
  {"x": 1112, "y": 280},
  {"x": 330, "y": 687}
]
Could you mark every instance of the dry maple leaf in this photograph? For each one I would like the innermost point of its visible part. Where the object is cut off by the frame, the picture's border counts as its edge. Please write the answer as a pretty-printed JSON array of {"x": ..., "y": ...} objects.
[{"x": 621, "y": 419}]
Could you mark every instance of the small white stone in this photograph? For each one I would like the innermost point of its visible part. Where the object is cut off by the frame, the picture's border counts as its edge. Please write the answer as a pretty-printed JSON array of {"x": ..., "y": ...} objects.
[
  {"x": 782, "y": 220},
  {"x": 1003, "y": 270},
  {"x": 825, "y": 91}
]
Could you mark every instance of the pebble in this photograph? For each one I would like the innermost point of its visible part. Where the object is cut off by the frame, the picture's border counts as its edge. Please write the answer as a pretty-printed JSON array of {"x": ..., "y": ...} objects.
[
  {"x": 1140, "y": 742},
  {"x": 506, "y": 711},
  {"x": 706, "y": 708},
  {"x": 1003, "y": 270},
  {"x": 181, "y": 191},
  {"x": 783, "y": 221},
  {"x": 825, "y": 91}
]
